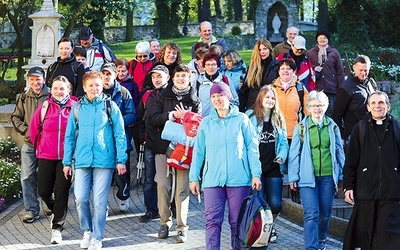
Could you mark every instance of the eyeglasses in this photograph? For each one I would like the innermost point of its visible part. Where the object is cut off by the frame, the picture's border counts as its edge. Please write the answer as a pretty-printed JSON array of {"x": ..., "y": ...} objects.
[
  {"x": 142, "y": 56},
  {"x": 210, "y": 64},
  {"x": 317, "y": 106}
]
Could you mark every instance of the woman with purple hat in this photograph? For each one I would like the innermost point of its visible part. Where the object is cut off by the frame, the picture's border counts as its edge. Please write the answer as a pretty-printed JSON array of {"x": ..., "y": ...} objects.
[{"x": 226, "y": 159}]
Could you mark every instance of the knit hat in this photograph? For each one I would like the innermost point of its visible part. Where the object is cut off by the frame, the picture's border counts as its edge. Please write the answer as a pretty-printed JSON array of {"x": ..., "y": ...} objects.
[
  {"x": 323, "y": 32},
  {"x": 299, "y": 42},
  {"x": 221, "y": 88}
]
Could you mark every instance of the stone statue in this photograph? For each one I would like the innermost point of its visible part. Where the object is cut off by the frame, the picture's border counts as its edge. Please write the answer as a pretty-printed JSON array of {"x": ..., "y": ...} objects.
[{"x": 276, "y": 23}]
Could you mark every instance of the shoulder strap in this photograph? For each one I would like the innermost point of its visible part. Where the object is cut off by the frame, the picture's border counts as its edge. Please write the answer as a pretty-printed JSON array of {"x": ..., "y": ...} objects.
[
  {"x": 301, "y": 132},
  {"x": 123, "y": 91},
  {"x": 300, "y": 92},
  {"x": 101, "y": 49},
  {"x": 361, "y": 127},
  {"x": 108, "y": 111},
  {"x": 134, "y": 63},
  {"x": 396, "y": 128},
  {"x": 76, "y": 112},
  {"x": 43, "y": 112}
]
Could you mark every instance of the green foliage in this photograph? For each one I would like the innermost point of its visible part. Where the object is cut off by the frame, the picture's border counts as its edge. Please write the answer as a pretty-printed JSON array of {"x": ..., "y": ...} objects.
[
  {"x": 236, "y": 30},
  {"x": 395, "y": 109}
]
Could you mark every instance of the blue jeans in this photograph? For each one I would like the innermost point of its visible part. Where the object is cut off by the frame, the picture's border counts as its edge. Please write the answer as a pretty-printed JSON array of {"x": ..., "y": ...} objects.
[
  {"x": 150, "y": 186},
  {"x": 29, "y": 179},
  {"x": 272, "y": 193},
  {"x": 214, "y": 205},
  {"x": 98, "y": 180},
  {"x": 317, "y": 204}
]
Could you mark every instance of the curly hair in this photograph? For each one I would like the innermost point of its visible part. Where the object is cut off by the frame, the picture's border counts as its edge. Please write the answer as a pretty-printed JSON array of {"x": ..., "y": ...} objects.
[{"x": 171, "y": 46}]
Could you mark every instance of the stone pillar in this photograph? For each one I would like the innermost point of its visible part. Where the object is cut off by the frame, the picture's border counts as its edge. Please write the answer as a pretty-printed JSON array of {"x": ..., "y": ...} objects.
[{"x": 45, "y": 35}]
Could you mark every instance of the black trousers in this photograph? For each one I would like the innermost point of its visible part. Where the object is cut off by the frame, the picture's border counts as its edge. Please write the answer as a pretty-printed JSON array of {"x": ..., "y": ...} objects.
[
  {"x": 51, "y": 180},
  {"x": 123, "y": 182}
]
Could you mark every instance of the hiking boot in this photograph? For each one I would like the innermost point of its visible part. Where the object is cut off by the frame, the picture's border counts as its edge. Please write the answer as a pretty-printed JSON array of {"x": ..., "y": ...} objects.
[
  {"x": 274, "y": 236},
  {"x": 163, "y": 232},
  {"x": 95, "y": 244},
  {"x": 124, "y": 205},
  {"x": 56, "y": 237},
  {"x": 148, "y": 216},
  {"x": 30, "y": 217},
  {"x": 181, "y": 237},
  {"x": 85, "y": 242}
]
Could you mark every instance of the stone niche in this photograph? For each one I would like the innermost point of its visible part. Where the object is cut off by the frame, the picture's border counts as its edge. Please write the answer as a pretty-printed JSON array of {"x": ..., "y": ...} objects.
[{"x": 286, "y": 10}]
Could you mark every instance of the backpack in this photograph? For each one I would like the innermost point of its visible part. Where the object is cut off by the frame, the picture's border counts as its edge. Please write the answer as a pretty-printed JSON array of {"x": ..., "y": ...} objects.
[
  {"x": 108, "y": 111},
  {"x": 300, "y": 92},
  {"x": 254, "y": 223},
  {"x": 74, "y": 66},
  {"x": 362, "y": 124}
]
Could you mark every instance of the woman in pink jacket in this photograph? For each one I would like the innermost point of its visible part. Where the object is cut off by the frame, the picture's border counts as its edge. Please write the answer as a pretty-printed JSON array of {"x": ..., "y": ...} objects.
[{"x": 46, "y": 131}]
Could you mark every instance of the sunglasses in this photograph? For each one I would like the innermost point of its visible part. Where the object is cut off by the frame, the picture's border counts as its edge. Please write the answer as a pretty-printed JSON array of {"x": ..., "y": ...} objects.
[{"x": 142, "y": 56}]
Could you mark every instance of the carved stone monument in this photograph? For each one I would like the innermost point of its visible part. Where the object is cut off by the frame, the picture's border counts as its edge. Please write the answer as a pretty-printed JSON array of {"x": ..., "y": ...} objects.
[
  {"x": 276, "y": 25},
  {"x": 45, "y": 35}
]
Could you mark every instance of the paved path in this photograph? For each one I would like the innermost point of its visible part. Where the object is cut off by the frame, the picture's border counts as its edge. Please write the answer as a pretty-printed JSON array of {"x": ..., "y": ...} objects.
[{"x": 124, "y": 231}]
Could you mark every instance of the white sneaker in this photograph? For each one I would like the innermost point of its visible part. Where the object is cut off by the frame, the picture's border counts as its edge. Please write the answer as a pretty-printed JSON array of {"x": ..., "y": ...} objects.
[
  {"x": 95, "y": 244},
  {"x": 85, "y": 242},
  {"x": 123, "y": 205},
  {"x": 51, "y": 221},
  {"x": 56, "y": 237}
]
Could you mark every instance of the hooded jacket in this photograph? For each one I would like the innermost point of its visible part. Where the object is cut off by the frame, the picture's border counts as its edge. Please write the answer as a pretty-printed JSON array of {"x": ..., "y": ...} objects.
[
  {"x": 91, "y": 139},
  {"x": 97, "y": 54},
  {"x": 236, "y": 75},
  {"x": 229, "y": 150},
  {"x": 139, "y": 70}
]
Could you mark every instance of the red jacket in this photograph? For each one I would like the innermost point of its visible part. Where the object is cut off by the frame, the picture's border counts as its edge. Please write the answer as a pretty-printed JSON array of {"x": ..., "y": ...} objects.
[
  {"x": 50, "y": 142},
  {"x": 139, "y": 70}
]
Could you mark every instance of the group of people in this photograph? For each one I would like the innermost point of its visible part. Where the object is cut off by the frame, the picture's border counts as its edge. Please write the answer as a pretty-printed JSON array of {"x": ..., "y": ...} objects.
[{"x": 290, "y": 112}]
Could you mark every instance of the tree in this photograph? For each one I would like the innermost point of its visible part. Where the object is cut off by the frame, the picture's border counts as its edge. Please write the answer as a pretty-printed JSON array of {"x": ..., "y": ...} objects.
[
  {"x": 323, "y": 15},
  {"x": 204, "y": 7},
  {"x": 238, "y": 10},
  {"x": 168, "y": 17}
]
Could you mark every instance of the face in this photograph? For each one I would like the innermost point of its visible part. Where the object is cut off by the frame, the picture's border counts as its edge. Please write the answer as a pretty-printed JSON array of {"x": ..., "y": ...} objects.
[
  {"x": 142, "y": 57},
  {"x": 158, "y": 79},
  {"x": 170, "y": 56},
  {"x": 181, "y": 79},
  {"x": 211, "y": 67},
  {"x": 59, "y": 90},
  {"x": 263, "y": 51},
  {"x": 361, "y": 70},
  {"x": 220, "y": 102},
  {"x": 87, "y": 43},
  {"x": 80, "y": 59},
  {"x": 378, "y": 106},
  {"x": 317, "y": 109},
  {"x": 93, "y": 88},
  {"x": 297, "y": 52},
  {"x": 228, "y": 63},
  {"x": 36, "y": 83},
  {"x": 290, "y": 34},
  {"x": 286, "y": 73},
  {"x": 155, "y": 47},
  {"x": 122, "y": 72},
  {"x": 322, "y": 40},
  {"x": 206, "y": 31},
  {"x": 269, "y": 100},
  {"x": 65, "y": 50},
  {"x": 108, "y": 78}
]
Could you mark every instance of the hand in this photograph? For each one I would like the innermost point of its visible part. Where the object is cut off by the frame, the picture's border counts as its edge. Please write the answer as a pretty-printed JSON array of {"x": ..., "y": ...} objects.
[
  {"x": 121, "y": 169},
  {"x": 349, "y": 196},
  {"x": 180, "y": 111},
  {"x": 194, "y": 187},
  {"x": 67, "y": 172},
  {"x": 318, "y": 68},
  {"x": 256, "y": 183},
  {"x": 340, "y": 185},
  {"x": 279, "y": 160},
  {"x": 293, "y": 186}
]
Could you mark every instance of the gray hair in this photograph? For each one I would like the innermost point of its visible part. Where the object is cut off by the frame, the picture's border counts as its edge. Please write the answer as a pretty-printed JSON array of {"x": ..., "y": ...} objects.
[
  {"x": 142, "y": 47},
  {"x": 319, "y": 96},
  {"x": 387, "y": 101},
  {"x": 292, "y": 28}
]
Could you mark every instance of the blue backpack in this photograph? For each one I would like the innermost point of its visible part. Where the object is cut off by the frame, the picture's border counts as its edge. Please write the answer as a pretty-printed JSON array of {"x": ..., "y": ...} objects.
[{"x": 254, "y": 223}]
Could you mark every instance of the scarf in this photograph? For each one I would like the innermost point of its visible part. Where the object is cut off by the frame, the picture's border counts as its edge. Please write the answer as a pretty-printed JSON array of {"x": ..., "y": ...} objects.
[
  {"x": 180, "y": 92},
  {"x": 62, "y": 102},
  {"x": 322, "y": 56}
]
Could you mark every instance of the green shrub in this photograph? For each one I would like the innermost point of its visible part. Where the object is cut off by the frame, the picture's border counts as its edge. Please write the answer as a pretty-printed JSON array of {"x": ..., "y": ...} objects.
[{"x": 236, "y": 30}]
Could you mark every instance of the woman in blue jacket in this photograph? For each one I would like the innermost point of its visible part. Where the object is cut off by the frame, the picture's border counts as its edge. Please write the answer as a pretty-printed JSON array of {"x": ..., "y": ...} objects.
[
  {"x": 316, "y": 160},
  {"x": 227, "y": 144},
  {"x": 95, "y": 136},
  {"x": 269, "y": 123}
]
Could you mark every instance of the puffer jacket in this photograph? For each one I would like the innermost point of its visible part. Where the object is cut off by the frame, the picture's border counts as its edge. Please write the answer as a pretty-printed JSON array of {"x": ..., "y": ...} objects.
[
  {"x": 94, "y": 142},
  {"x": 139, "y": 72},
  {"x": 236, "y": 75},
  {"x": 164, "y": 103},
  {"x": 229, "y": 150},
  {"x": 48, "y": 137},
  {"x": 300, "y": 166},
  {"x": 25, "y": 107}
]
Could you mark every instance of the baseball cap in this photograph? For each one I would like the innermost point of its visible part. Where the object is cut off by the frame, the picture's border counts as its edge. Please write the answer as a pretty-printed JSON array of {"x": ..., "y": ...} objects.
[
  {"x": 109, "y": 67},
  {"x": 299, "y": 42},
  {"x": 85, "y": 33},
  {"x": 160, "y": 69},
  {"x": 36, "y": 71}
]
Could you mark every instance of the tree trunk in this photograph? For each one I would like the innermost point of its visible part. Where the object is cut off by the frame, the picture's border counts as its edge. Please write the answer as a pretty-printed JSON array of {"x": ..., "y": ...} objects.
[
  {"x": 74, "y": 18},
  {"x": 238, "y": 10},
  {"x": 323, "y": 15},
  {"x": 217, "y": 6},
  {"x": 175, "y": 18},
  {"x": 129, "y": 27},
  {"x": 205, "y": 11},
  {"x": 163, "y": 12}
]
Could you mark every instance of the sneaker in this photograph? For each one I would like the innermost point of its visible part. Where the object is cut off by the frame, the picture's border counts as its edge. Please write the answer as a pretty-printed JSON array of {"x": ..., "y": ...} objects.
[
  {"x": 95, "y": 244},
  {"x": 56, "y": 237},
  {"x": 274, "y": 236},
  {"x": 181, "y": 237},
  {"x": 123, "y": 205},
  {"x": 85, "y": 242},
  {"x": 51, "y": 221},
  {"x": 148, "y": 216},
  {"x": 163, "y": 232},
  {"x": 107, "y": 211},
  {"x": 30, "y": 217}
]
